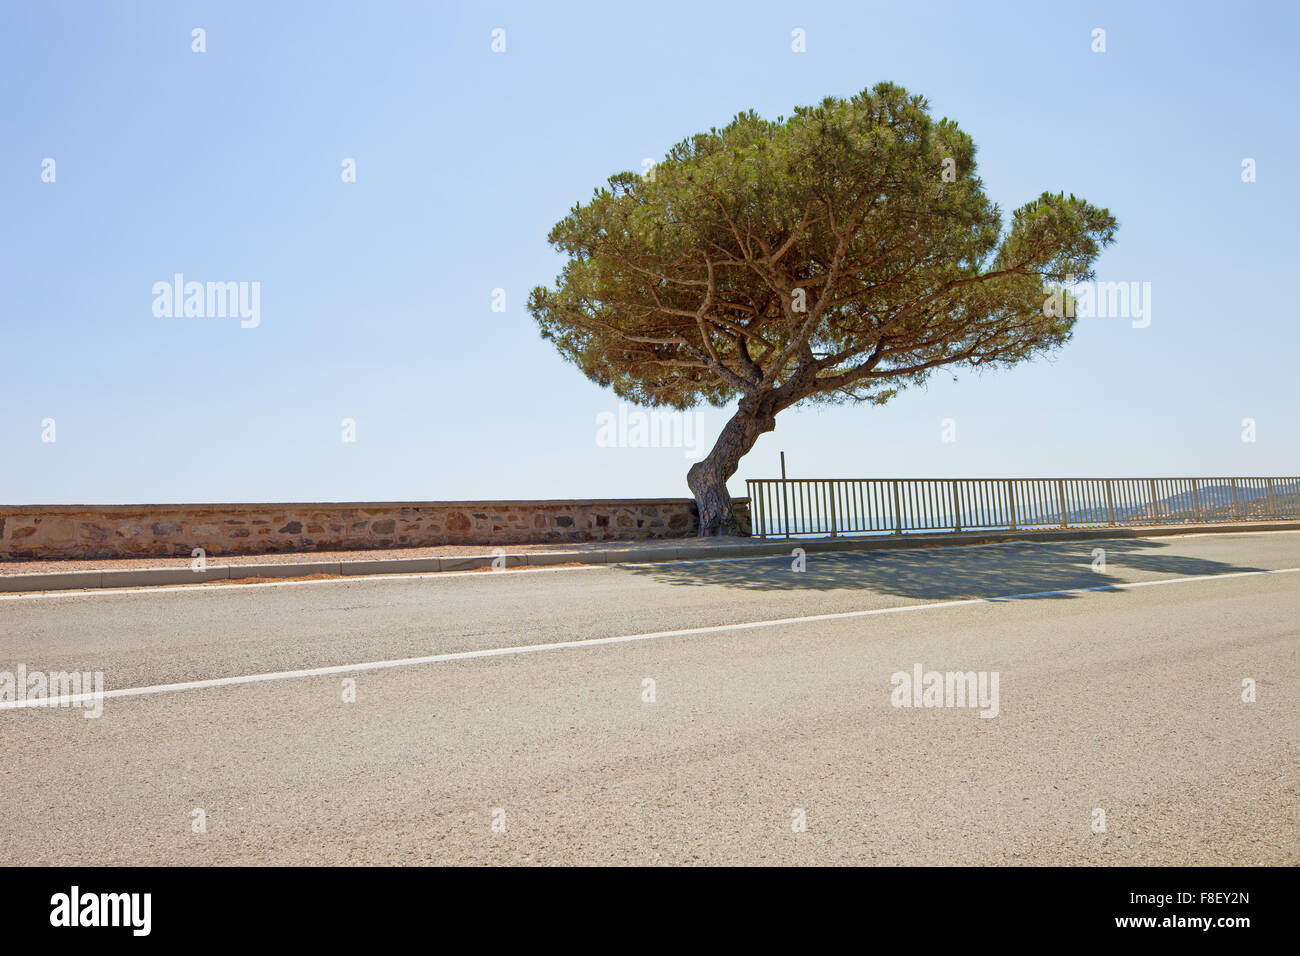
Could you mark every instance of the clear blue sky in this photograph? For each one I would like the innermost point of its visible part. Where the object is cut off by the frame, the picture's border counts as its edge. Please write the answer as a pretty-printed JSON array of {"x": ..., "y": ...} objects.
[{"x": 376, "y": 295}]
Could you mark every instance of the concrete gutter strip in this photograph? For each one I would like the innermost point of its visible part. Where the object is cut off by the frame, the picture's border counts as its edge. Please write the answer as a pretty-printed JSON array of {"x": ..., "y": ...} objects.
[{"x": 688, "y": 549}]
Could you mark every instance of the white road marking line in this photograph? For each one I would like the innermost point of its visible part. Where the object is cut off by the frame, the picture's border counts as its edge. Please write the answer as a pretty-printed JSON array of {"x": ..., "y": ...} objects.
[
  {"x": 1220, "y": 534},
  {"x": 70, "y": 699},
  {"x": 436, "y": 575}
]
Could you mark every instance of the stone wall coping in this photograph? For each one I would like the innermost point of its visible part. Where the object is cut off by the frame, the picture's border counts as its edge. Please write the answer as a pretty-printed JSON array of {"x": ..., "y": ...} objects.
[{"x": 346, "y": 505}]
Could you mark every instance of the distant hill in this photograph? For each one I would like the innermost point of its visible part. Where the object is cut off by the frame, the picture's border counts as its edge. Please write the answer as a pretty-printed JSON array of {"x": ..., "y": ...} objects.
[{"x": 1216, "y": 503}]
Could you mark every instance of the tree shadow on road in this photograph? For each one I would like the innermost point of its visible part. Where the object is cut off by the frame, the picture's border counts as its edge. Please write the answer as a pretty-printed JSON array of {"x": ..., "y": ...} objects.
[{"x": 951, "y": 573}]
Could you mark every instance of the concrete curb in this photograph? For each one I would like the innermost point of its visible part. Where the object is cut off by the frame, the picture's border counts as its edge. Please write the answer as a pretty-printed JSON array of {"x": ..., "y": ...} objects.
[{"x": 147, "y": 577}]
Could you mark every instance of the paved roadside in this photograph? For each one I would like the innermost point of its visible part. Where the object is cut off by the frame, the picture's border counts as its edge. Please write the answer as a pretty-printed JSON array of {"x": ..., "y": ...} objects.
[{"x": 156, "y": 571}]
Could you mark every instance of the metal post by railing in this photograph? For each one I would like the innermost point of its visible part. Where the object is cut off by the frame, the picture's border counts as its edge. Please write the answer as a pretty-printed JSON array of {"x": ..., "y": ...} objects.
[
  {"x": 1060, "y": 501},
  {"x": 898, "y": 513},
  {"x": 1155, "y": 512},
  {"x": 1110, "y": 504},
  {"x": 1272, "y": 509},
  {"x": 835, "y": 511},
  {"x": 762, "y": 510},
  {"x": 1011, "y": 503},
  {"x": 785, "y": 500},
  {"x": 1237, "y": 510},
  {"x": 1196, "y": 501},
  {"x": 956, "y": 508}
]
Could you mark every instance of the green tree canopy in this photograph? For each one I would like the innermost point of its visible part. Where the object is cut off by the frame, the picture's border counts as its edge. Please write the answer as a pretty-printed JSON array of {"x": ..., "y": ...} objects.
[{"x": 837, "y": 255}]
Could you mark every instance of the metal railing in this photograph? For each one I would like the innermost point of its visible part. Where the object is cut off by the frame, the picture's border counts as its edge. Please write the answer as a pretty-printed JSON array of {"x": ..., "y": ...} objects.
[{"x": 834, "y": 506}]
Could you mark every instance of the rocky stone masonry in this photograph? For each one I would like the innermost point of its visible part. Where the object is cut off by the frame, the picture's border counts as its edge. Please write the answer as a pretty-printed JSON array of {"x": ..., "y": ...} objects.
[{"x": 112, "y": 531}]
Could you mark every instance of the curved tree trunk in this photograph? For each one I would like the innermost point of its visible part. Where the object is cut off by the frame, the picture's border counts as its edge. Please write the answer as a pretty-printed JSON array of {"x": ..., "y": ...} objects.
[{"x": 707, "y": 478}]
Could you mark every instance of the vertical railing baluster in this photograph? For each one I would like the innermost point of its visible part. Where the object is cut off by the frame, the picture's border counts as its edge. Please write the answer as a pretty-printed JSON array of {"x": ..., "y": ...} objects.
[{"x": 785, "y": 505}]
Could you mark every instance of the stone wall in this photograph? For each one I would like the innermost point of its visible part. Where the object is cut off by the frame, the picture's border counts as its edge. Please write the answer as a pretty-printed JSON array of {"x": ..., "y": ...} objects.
[{"x": 109, "y": 531}]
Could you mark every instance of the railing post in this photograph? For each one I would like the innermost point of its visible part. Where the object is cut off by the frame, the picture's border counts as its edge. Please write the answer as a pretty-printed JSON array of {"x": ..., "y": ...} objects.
[
  {"x": 1110, "y": 505},
  {"x": 1273, "y": 509},
  {"x": 1011, "y": 502},
  {"x": 898, "y": 514},
  {"x": 1060, "y": 500},
  {"x": 1155, "y": 512},
  {"x": 835, "y": 511},
  {"x": 956, "y": 508},
  {"x": 785, "y": 507},
  {"x": 1196, "y": 498},
  {"x": 1237, "y": 510},
  {"x": 760, "y": 512}
]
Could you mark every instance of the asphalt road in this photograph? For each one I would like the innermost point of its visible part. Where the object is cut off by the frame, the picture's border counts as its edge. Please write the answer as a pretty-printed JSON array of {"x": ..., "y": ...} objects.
[{"x": 1126, "y": 700}]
